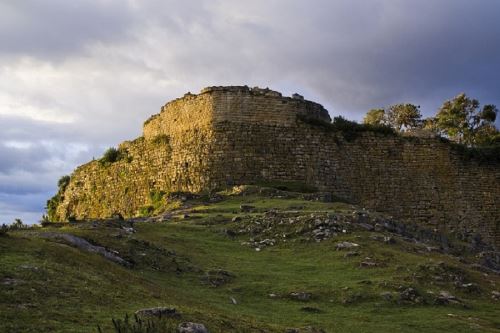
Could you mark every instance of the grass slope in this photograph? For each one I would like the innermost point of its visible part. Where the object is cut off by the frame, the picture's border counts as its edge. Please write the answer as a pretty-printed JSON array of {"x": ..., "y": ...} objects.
[{"x": 47, "y": 286}]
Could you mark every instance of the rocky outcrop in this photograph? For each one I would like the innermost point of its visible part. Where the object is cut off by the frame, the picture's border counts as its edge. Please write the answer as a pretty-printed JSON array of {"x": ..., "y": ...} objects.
[{"x": 239, "y": 135}]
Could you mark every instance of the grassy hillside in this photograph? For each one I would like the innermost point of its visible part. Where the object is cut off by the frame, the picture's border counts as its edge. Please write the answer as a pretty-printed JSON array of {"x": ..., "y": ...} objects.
[{"x": 256, "y": 260}]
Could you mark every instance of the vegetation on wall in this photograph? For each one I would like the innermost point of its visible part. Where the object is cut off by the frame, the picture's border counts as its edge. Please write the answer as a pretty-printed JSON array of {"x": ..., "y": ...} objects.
[
  {"x": 53, "y": 202},
  {"x": 349, "y": 129},
  {"x": 112, "y": 155}
]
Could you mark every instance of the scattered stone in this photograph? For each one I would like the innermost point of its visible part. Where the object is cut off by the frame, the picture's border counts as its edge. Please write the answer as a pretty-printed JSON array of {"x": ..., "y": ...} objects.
[
  {"x": 368, "y": 264},
  {"x": 366, "y": 226},
  {"x": 233, "y": 300},
  {"x": 471, "y": 288},
  {"x": 386, "y": 295},
  {"x": 236, "y": 219},
  {"x": 158, "y": 312},
  {"x": 247, "y": 208},
  {"x": 129, "y": 230},
  {"x": 351, "y": 254},
  {"x": 10, "y": 281},
  {"x": 217, "y": 277},
  {"x": 30, "y": 267},
  {"x": 272, "y": 295},
  {"x": 189, "y": 327},
  {"x": 301, "y": 296},
  {"x": 215, "y": 197},
  {"x": 495, "y": 295},
  {"x": 346, "y": 246},
  {"x": 445, "y": 297},
  {"x": 307, "y": 329},
  {"x": 409, "y": 295}
]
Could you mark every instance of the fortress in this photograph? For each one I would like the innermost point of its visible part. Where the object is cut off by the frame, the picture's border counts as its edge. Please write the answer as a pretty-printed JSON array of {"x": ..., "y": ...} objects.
[{"x": 239, "y": 135}]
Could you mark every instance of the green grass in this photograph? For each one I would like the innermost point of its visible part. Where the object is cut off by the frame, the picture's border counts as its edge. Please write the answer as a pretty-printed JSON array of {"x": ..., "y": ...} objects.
[{"x": 60, "y": 288}]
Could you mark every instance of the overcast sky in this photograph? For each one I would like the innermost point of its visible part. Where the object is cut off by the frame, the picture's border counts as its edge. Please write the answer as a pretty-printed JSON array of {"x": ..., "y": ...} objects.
[{"x": 79, "y": 76}]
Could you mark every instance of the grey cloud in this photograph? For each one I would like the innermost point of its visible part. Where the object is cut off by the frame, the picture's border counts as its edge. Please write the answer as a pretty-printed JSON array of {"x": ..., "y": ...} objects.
[
  {"x": 57, "y": 28},
  {"x": 105, "y": 66}
]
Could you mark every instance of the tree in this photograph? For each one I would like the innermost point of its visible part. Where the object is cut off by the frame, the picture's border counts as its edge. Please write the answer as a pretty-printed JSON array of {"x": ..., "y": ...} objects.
[
  {"x": 404, "y": 116},
  {"x": 461, "y": 120},
  {"x": 375, "y": 117}
]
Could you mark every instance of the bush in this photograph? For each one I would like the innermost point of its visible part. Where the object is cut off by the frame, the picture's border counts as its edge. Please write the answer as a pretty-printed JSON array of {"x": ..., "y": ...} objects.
[
  {"x": 63, "y": 182},
  {"x": 16, "y": 225},
  {"x": 482, "y": 154},
  {"x": 110, "y": 156},
  {"x": 349, "y": 129},
  {"x": 161, "y": 139},
  {"x": 3, "y": 230}
]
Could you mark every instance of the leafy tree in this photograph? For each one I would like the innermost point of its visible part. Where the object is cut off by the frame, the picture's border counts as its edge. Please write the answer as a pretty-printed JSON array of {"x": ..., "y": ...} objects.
[
  {"x": 375, "y": 117},
  {"x": 463, "y": 121},
  {"x": 404, "y": 116}
]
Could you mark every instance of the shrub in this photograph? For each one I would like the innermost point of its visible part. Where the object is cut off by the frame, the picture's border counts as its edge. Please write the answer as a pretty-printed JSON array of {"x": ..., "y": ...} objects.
[
  {"x": 3, "y": 230},
  {"x": 110, "y": 156},
  {"x": 349, "y": 129},
  {"x": 161, "y": 139},
  {"x": 146, "y": 211},
  {"x": 63, "y": 182}
]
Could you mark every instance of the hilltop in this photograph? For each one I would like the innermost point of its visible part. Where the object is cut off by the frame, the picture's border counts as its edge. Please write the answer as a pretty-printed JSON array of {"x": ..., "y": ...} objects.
[
  {"x": 275, "y": 258},
  {"x": 228, "y": 136}
]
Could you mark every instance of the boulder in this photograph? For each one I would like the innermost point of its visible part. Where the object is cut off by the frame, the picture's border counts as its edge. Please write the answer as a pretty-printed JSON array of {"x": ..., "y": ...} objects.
[
  {"x": 301, "y": 296},
  {"x": 158, "y": 312},
  {"x": 189, "y": 327},
  {"x": 346, "y": 246}
]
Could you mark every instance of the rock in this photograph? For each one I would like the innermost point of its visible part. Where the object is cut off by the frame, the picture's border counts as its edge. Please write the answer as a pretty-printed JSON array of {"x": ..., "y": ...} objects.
[
  {"x": 351, "y": 254},
  {"x": 267, "y": 242},
  {"x": 445, "y": 297},
  {"x": 158, "y": 312},
  {"x": 366, "y": 226},
  {"x": 409, "y": 294},
  {"x": 84, "y": 245},
  {"x": 367, "y": 264},
  {"x": 247, "y": 208},
  {"x": 214, "y": 198},
  {"x": 233, "y": 300},
  {"x": 117, "y": 216},
  {"x": 386, "y": 295},
  {"x": 389, "y": 240},
  {"x": 470, "y": 288},
  {"x": 189, "y": 327},
  {"x": 346, "y": 246},
  {"x": 301, "y": 296},
  {"x": 307, "y": 329},
  {"x": 236, "y": 219},
  {"x": 9, "y": 281},
  {"x": 128, "y": 230},
  {"x": 495, "y": 295},
  {"x": 273, "y": 295},
  {"x": 217, "y": 277}
]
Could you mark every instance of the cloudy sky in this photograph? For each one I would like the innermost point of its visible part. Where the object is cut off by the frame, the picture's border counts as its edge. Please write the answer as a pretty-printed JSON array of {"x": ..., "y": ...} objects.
[{"x": 82, "y": 75}]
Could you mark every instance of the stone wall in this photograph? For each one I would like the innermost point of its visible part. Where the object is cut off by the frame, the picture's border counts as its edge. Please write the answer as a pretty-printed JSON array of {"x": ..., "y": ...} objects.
[{"x": 238, "y": 135}]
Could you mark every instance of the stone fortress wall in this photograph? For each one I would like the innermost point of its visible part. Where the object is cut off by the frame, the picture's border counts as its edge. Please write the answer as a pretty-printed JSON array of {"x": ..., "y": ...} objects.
[{"x": 238, "y": 135}]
